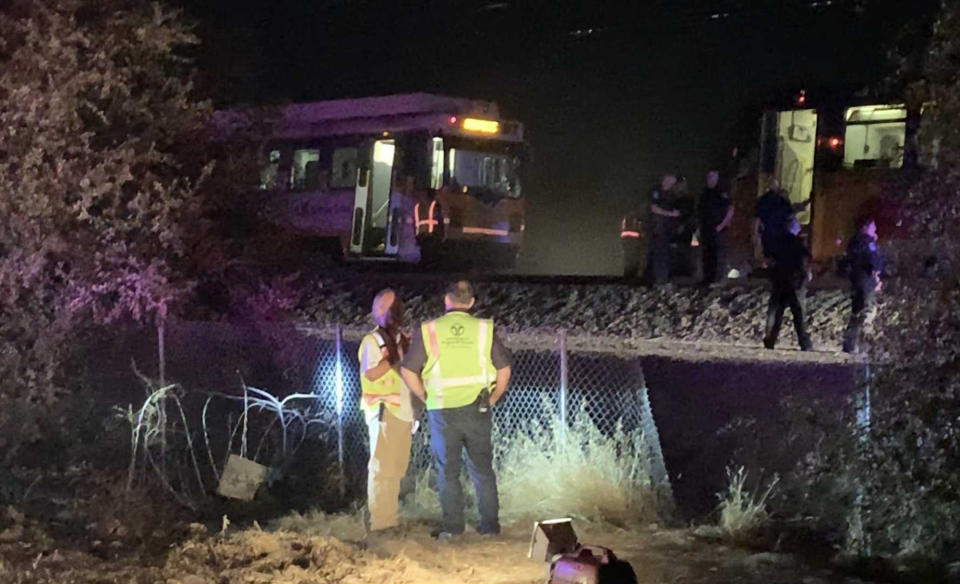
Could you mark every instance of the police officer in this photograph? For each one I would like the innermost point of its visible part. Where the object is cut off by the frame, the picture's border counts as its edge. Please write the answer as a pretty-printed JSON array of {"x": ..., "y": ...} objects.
[
  {"x": 715, "y": 214},
  {"x": 385, "y": 402},
  {"x": 459, "y": 368},
  {"x": 866, "y": 266},
  {"x": 662, "y": 225},
  {"x": 630, "y": 236},
  {"x": 772, "y": 212},
  {"x": 685, "y": 225},
  {"x": 789, "y": 277}
]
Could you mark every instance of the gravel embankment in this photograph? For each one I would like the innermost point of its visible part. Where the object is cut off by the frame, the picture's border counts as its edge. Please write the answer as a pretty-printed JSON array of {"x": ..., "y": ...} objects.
[{"x": 600, "y": 315}]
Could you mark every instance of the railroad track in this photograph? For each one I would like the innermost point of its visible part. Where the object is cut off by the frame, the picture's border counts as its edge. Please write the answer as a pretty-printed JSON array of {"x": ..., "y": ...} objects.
[{"x": 403, "y": 273}]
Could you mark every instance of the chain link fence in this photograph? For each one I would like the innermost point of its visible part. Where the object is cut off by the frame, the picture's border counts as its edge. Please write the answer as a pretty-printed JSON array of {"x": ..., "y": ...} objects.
[
  {"x": 547, "y": 381},
  {"x": 553, "y": 377}
]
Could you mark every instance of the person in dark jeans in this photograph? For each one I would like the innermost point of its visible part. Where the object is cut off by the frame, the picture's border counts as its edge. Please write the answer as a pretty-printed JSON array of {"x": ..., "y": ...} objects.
[
  {"x": 789, "y": 276},
  {"x": 451, "y": 370},
  {"x": 866, "y": 266},
  {"x": 715, "y": 214},
  {"x": 661, "y": 220}
]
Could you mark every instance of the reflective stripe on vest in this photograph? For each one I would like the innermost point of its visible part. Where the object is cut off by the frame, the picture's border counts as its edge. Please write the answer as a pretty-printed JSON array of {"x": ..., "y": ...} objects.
[
  {"x": 458, "y": 363},
  {"x": 624, "y": 232},
  {"x": 430, "y": 223},
  {"x": 386, "y": 390}
]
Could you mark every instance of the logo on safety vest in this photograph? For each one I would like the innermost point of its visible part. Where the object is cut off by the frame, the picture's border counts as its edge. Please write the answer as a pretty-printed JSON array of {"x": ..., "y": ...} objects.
[{"x": 456, "y": 330}]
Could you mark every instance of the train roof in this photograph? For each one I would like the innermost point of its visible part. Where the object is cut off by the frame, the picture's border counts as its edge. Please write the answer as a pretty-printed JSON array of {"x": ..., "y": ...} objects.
[
  {"x": 389, "y": 105},
  {"x": 371, "y": 115}
]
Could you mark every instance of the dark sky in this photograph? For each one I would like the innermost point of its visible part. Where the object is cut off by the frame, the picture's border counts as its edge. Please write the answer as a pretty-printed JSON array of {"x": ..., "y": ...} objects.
[{"x": 662, "y": 85}]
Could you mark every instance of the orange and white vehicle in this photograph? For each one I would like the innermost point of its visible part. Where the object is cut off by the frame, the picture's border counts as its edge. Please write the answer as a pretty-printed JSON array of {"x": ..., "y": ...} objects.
[
  {"x": 399, "y": 177},
  {"x": 846, "y": 160}
]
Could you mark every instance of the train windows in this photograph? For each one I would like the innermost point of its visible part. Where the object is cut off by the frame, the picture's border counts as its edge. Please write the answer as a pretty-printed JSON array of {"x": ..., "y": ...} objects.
[
  {"x": 483, "y": 171},
  {"x": 875, "y": 136},
  {"x": 268, "y": 176},
  {"x": 343, "y": 171},
  {"x": 306, "y": 170}
]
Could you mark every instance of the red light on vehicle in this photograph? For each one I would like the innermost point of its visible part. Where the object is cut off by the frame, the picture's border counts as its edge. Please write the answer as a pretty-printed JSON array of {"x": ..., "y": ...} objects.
[
  {"x": 453, "y": 120},
  {"x": 834, "y": 142}
]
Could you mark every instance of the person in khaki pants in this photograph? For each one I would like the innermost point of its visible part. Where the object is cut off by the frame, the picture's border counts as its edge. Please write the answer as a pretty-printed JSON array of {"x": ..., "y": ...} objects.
[{"x": 385, "y": 401}]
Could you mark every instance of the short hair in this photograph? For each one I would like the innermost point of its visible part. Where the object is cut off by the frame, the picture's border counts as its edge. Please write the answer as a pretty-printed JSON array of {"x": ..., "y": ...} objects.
[
  {"x": 863, "y": 221},
  {"x": 460, "y": 291}
]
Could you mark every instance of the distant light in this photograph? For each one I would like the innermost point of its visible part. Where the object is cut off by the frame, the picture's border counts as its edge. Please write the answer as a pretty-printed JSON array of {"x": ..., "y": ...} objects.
[
  {"x": 480, "y": 126},
  {"x": 453, "y": 120},
  {"x": 733, "y": 274},
  {"x": 834, "y": 142},
  {"x": 802, "y": 97},
  {"x": 385, "y": 134}
]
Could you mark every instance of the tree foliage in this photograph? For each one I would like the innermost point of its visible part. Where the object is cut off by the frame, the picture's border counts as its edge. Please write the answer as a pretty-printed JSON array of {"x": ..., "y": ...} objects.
[
  {"x": 106, "y": 179},
  {"x": 910, "y": 467}
]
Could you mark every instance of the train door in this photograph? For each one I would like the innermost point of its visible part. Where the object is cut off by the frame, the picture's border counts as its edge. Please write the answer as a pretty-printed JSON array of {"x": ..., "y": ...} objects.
[
  {"x": 787, "y": 149},
  {"x": 375, "y": 215}
]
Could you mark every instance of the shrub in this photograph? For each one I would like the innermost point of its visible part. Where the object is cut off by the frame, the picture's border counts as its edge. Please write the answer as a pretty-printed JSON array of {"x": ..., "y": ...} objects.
[{"x": 743, "y": 513}]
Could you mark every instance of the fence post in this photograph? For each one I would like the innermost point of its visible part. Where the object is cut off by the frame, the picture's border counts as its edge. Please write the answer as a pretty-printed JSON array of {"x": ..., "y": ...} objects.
[
  {"x": 162, "y": 348},
  {"x": 563, "y": 378},
  {"x": 860, "y": 534},
  {"x": 338, "y": 389}
]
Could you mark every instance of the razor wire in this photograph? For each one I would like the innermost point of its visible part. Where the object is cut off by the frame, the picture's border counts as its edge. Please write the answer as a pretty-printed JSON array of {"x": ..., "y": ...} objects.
[{"x": 549, "y": 382}]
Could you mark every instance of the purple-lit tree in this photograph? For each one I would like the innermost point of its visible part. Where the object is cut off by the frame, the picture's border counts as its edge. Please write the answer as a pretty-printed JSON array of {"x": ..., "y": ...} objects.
[
  {"x": 105, "y": 177},
  {"x": 911, "y": 464}
]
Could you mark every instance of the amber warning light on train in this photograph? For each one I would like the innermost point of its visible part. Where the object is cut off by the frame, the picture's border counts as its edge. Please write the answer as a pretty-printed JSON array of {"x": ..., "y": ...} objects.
[{"x": 478, "y": 126}]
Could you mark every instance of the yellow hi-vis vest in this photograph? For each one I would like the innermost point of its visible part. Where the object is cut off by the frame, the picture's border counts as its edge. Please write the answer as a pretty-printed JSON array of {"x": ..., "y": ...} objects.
[
  {"x": 387, "y": 390},
  {"x": 458, "y": 363}
]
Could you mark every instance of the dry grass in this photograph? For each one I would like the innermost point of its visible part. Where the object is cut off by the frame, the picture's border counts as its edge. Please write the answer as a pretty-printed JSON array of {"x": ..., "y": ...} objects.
[
  {"x": 742, "y": 513},
  {"x": 549, "y": 470},
  {"x": 343, "y": 526},
  {"x": 552, "y": 470}
]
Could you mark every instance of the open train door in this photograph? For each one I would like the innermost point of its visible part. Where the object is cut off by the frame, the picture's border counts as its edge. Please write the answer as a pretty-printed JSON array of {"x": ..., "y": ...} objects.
[
  {"x": 787, "y": 149},
  {"x": 375, "y": 223}
]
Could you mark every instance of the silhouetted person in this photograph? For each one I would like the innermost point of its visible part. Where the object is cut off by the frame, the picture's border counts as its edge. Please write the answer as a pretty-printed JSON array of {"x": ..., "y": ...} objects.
[
  {"x": 789, "y": 276},
  {"x": 866, "y": 266},
  {"x": 631, "y": 226},
  {"x": 772, "y": 211},
  {"x": 661, "y": 220},
  {"x": 715, "y": 215}
]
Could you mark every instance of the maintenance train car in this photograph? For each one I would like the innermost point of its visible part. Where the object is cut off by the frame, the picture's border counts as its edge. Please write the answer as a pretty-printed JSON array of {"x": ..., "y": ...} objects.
[
  {"x": 847, "y": 161},
  {"x": 405, "y": 178}
]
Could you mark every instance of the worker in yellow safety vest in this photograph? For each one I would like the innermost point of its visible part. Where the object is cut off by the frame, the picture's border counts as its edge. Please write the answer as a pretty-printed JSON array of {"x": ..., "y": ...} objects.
[
  {"x": 388, "y": 410},
  {"x": 460, "y": 369}
]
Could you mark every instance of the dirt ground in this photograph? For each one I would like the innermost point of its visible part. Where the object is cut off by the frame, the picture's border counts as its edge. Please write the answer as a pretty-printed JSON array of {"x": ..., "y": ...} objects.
[{"x": 337, "y": 551}]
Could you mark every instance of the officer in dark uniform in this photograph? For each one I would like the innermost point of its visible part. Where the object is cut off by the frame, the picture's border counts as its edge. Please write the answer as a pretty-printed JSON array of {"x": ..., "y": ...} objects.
[
  {"x": 715, "y": 215},
  {"x": 866, "y": 266},
  {"x": 685, "y": 227},
  {"x": 661, "y": 226},
  {"x": 772, "y": 211},
  {"x": 789, "y": 276}
]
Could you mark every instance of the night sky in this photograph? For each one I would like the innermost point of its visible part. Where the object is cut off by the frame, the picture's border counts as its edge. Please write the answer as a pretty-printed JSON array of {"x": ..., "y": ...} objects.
[{"x": 610, "y": 95}]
